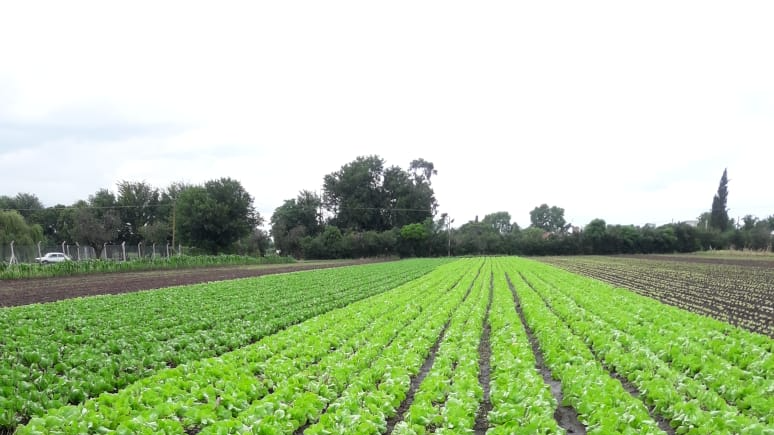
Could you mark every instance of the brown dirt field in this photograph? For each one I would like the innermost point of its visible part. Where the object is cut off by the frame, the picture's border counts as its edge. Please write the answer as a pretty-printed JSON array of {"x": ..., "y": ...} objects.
[
  {"x": 39, "y": 290},
  {"x": 686, "y": 258}
]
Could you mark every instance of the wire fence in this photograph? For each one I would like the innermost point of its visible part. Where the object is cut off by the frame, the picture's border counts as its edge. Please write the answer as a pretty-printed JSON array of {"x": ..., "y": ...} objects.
[{"x": 14, "y": 254}]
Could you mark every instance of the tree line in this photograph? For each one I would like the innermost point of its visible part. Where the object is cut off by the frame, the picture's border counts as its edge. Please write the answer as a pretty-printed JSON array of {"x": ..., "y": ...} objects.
[
  {"x": 214, "y": 217},
  {"x": 365, "y": 209}
]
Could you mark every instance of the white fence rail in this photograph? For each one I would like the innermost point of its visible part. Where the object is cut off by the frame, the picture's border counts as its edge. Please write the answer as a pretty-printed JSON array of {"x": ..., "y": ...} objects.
[{"x": 13, "y": 254}]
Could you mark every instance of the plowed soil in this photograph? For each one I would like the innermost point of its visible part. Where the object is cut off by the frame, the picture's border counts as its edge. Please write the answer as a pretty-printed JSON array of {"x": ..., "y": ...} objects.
[{"x": 30, "y": 291}]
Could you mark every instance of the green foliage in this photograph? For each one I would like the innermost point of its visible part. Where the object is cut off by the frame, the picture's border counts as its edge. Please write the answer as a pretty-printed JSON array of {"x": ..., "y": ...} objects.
[
  {"x": 150, "y": 345},
  {"x": 549, "y": 219},
  {"x": 690, "y": 372},
  {"x": 719, "y": 213},
  {"x": 14, "y": 228},
  {"x": 295, "y": 219},
  {"x": 500, "y": 221},
  {"x": 162, "y": 365},
  {"x": 214, "y": 216},
  {"x": 94, "y": 226},
  {"x": 138, "y": 207},
  {"x": 413, "y": 238},
  {"x": 23, "y": 271},
  {"x": 364, "y": 195}
]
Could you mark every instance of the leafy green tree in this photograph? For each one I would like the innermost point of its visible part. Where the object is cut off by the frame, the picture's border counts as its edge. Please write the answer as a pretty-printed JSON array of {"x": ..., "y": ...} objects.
[
  {"x": 549, "y": 219},
  {"x": 27, "y": 204},
  {"x": 294, "y": 220},
  {"x": 421, "y": 168},
  {"x": 595, "y": 236},
  {"x": 409, "y": 199},
  {"x": 138, "y": 206},
  {"x": 214, "y": 216},
  {"x": 748, "y": 222},
  {"x": 354, "y": 195},
  {"x": 328, "y": 245},
  {"x": 13, "y": 227},
  {"x": 364, "y": 196},
  {"x": 93, "y": 226},
  {"x": 500, "y": 221},
  {"x": 414, "y": 238},
  {"x": 258, "y": 243},
  {"x": 719, "y": 213},
  {"x": 155, "y": 233}
]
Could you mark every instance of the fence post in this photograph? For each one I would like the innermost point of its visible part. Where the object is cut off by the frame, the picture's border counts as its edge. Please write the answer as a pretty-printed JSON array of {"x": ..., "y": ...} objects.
[
  {"x": 63, "y": 248},
  {"x": 78, "y": 250},
  {"x": 153, "y": 256},
  {"x": 40, "y": 254},
  {"x": 167, "y": 250},
  {"x": 104, "y": 251},
  {"x": 179, "y": 250},
  {"x": 123, "y": 249},
  {"x": 13, "y": 255},
  {"x": 139, "y": 249}
]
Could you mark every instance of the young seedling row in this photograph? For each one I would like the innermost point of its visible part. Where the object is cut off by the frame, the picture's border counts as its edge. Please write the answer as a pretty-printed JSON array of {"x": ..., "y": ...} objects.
[
  {"x": 741, "y": 294},
  {"x": 482, "y": 345}
]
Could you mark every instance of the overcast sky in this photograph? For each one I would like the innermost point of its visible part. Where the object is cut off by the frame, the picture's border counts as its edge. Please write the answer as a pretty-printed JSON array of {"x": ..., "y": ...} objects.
[{"x": 628, "y": 111}]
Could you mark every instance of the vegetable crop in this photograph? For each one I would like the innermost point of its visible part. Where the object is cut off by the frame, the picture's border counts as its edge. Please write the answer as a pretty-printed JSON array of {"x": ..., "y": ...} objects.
[
  {"x": 64, "y": 352},
  {"x": 398, "y": 349}
]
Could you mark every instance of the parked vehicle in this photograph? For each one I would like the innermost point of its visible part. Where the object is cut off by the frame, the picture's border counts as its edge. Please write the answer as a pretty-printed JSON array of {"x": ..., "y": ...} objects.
[{"x": 53, "y": 257}]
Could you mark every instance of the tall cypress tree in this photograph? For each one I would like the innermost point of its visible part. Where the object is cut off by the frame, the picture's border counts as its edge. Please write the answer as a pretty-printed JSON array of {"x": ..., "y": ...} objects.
[{"x": 719, "y": 214}]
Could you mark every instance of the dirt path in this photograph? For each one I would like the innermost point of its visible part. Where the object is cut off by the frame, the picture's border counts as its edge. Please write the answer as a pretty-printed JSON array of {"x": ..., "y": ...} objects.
[{"x": 29, "y": 291}]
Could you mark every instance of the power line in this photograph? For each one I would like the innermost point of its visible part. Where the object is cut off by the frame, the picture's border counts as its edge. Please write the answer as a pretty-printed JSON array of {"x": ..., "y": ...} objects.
[{"x": 108, "y": 207}]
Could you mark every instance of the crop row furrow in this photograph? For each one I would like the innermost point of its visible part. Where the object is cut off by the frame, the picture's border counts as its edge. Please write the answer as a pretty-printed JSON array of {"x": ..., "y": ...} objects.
[
  {"x": 601, "y": 402},
  {"x": 367, "y": 389},
  {"x": 753, "y": 395},
  {"x": 290, "y": 372},
  {"x": 449, "y": 396},
  {"x": 521, "y": 401},
  {"x": 687, "y": 403},
  {"x": 60, "y": 353}
]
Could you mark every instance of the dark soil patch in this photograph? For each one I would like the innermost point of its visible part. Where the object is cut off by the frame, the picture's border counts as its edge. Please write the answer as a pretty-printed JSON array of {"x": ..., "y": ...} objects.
[
  {"x": 39, "y": 290},
  {"x": 566, "y": 416},
  {"x": 750, "y": 262},
  {"x": 416, "y": 381},
  {"x": 484, "y": 360}
]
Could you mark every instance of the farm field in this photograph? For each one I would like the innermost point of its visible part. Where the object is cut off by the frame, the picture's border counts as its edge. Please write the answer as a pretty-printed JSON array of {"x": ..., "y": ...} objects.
[
  {"x": 63, "y": 352},
  {"x": 735, "y": 289},
  {"x": 39, "y": 290},
  {"x": 479, "y": 345}
]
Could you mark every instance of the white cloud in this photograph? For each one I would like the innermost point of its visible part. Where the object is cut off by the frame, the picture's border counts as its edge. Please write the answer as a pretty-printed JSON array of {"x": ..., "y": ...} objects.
[{"x": 608, "y": 109}]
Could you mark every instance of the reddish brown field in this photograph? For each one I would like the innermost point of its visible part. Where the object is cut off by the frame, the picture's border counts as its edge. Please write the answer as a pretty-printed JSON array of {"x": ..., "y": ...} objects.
[{"x": 29, "y": 291}]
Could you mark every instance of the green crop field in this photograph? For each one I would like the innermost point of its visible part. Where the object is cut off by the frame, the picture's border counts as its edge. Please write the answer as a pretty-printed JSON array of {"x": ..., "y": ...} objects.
[{"x": 478, "y": 345}]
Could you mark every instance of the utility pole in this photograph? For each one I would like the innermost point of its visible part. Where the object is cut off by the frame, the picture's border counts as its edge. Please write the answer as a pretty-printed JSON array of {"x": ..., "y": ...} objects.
[
  {"x": 449, "y": 221},
  {"x": 174, "y": 226}
]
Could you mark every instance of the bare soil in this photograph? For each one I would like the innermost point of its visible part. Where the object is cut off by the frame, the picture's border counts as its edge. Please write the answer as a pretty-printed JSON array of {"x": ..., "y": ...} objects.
[
  {"x": 485, "y": 369},
  {"x": 39, "y": 290},
  {"x": 566, "y": 416},
  {"x": 765, "y": 262}
]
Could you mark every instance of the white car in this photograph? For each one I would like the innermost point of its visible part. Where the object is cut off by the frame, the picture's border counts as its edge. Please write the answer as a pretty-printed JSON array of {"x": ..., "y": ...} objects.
[{"x": 53, "y": 257}]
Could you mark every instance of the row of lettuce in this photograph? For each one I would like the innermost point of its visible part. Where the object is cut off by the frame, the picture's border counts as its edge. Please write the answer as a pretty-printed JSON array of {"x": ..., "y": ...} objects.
[
  {"x": 64, "y": 352},
  {"x": 703, "y": 375},
  {"x": 291, "y": 378},
  {"x": 85, "y": 267},
  {"x": 357, "y": 368}
]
